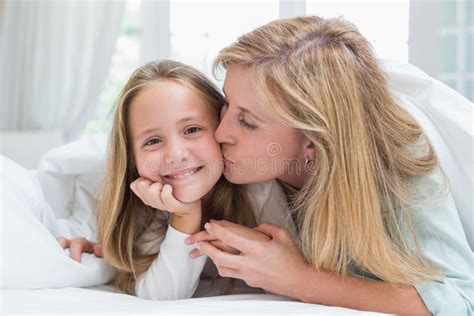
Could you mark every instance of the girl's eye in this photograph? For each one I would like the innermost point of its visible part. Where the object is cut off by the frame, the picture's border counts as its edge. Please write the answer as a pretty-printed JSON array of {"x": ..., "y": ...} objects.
[
  {"x": 192, "y": 130},
  {"x": 152, "y": 142},
  {"x": 245, "y": 124}
]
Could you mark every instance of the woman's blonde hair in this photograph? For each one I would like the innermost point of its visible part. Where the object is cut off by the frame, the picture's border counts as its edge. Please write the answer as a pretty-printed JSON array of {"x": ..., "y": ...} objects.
[
  {"x": 123, "y": 217},
  {"x": 321, "y": 76}
]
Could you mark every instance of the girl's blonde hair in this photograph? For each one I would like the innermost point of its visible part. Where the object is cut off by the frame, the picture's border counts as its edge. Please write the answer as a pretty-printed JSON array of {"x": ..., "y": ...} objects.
[
  {"x": 320, "y": 76},
  {"x": 123, "y": 217}
]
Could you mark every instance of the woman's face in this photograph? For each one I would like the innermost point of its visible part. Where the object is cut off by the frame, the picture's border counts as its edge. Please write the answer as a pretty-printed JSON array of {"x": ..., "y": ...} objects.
[
  {"x": 256, "y": 145},
  {"x": 172, "y": 133}
]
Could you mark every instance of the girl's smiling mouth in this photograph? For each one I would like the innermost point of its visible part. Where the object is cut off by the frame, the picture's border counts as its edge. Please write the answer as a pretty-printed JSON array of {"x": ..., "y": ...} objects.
[{"x": 182, "y": 174}]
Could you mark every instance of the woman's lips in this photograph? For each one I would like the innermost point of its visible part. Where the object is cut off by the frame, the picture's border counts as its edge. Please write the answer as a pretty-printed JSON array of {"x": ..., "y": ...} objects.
[{"x": 228, "y": 162}]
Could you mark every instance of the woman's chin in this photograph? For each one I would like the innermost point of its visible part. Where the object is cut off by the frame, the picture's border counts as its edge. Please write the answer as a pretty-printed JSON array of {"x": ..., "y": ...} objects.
[{"x": 247, "y": 178}]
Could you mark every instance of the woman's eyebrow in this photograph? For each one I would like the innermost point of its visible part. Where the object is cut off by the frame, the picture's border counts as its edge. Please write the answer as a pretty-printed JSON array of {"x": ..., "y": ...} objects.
[{"x": 245, "y": 110}]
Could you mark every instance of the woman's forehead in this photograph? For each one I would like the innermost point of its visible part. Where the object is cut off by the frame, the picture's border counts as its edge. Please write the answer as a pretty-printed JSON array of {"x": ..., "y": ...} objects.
[{"x": 241, "y": 91}]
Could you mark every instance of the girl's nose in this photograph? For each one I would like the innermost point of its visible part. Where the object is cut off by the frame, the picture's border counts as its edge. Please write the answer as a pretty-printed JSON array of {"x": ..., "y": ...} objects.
[{"x": 176, "y": 152}]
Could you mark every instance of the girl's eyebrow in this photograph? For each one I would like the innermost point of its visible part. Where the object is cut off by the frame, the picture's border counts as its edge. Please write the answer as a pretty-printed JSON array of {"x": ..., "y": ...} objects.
[
  {"x": 148, "y": 130},
  {"x": 180, "y": 121}
]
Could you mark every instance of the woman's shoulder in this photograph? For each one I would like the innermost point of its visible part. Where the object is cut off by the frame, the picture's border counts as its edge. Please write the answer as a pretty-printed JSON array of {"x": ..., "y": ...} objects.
[
  {"x": 270, "y": 205},
  {"x": 428, "y": 193},
  {"x": 262, "y": 193},
  {"x": 435, "y": 216}
]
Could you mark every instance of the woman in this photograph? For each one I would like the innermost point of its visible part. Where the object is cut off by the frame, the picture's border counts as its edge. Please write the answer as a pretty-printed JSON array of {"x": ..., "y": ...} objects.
[
  {"x": 370, "y": 238},
  {"x": 376, "y": 231}
]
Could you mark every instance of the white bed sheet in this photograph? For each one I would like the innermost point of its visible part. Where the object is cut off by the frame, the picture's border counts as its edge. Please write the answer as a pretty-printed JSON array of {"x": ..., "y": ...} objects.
[{"x": 102, "y": 300}]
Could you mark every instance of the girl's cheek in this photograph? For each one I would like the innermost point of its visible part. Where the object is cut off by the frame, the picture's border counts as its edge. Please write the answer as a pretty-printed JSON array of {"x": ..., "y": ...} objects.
[
  {"x": 150, "y": 167},
  {"x": 211, "y": 147}
]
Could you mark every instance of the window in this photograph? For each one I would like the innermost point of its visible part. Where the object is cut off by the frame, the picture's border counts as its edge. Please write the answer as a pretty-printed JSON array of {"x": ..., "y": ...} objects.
[
  {"x": 383, "y": 23},
  {"x": 456, "y": 38},
  {"x": 200, "y": 29},
  {"x": 441, "y": 41},
  {"x": 124, "y": 61}
]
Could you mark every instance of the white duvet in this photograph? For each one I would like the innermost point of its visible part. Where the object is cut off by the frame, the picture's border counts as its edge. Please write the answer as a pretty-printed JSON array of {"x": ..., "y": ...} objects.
[
  {"x": 58, "y": 199},
  {"x": 100, "y": 301}
]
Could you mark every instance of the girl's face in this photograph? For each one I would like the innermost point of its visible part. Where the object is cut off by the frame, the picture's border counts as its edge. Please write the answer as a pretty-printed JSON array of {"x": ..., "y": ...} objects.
[
  {"x": 256, "y": 145},
  {"x": 172, "y": 135}
]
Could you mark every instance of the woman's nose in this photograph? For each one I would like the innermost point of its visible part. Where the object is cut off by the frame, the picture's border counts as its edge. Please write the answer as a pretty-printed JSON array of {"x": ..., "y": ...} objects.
[{"x": 223, "y": 133}]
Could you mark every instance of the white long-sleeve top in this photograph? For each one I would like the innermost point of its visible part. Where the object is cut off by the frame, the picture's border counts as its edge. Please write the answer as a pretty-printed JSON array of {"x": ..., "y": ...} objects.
[{"x": 174, "y": 275}]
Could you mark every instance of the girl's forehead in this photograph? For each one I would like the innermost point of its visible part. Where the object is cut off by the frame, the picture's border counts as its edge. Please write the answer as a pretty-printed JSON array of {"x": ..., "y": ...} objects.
[
  {"x": 165, "y": 103},
  {"x": 169, "y": 93}
]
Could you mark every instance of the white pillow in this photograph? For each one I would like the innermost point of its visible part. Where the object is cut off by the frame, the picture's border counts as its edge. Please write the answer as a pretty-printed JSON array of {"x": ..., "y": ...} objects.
[
  {"x": 70, "y": 176},
  {"x": 446, "y": 117},
  {"x": 31, "y": 256}
]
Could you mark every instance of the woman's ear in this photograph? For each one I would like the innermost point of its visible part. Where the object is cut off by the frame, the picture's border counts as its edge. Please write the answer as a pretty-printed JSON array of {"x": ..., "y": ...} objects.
[{"x": 309, "y": 151}]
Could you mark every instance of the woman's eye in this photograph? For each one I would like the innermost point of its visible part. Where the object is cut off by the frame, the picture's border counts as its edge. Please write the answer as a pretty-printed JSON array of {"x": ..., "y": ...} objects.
[
  {"x": 192, "y": 130},
  {"x": 245, "y": 124},
  {"x": 152, "y": 142}
]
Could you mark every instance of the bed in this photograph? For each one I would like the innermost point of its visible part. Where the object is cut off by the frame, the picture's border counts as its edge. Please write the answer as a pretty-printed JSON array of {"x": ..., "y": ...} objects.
[
  {"x": 38, "y": 277},
  {"x": 100, "y": 300},
  {"x": 58, "y": 198}
]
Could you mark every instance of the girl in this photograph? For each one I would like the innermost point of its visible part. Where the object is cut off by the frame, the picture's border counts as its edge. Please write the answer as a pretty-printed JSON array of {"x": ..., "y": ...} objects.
[
  {"x": 162, "y": 148},
  {"x": 376, "y": 229}
]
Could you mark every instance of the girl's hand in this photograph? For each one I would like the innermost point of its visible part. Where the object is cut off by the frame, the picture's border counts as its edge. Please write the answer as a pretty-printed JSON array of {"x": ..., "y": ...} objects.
[
  {"x": 276, "y": 265},
  {"x": 160, "y": 196},
  {"x": 243, "y": 231},
  {"x": 79, "y": 245}
]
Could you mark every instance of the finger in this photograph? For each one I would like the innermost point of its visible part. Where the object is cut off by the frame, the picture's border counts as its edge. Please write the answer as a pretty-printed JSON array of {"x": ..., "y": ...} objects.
[
  {"x": 156, "y": 187},
  {"x": 139, "y": 183},
  {"x": 235, "y": 241},
  {"x": 171, "y": 204},
  {"x": 64, "y": 242},
  {"x": 224, "y": 247},
  {"x": 220, "y": 258},
  {"x": 154, "y": 195},
  {"x": 136, "y": 187},
  {"x": 78, "y": 246},
  {"x": 224, "y": 223},
  {"x": 195, "y": 253},
  {"x": 201, "y": 236},
  {"x": 141, "y": 188},
  {"x": 97, "y": 249},
  {"x": 219, "y": 221},
  {"x": 149, "y": 192},
  {"x": 273, "y": 231},
  {"x": 133, "y": 185},
  {"x": 229, "y": 273}
]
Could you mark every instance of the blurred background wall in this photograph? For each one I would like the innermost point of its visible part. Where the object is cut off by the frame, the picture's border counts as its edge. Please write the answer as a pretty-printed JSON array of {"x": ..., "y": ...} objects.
[{"x": 63, "y": 63}]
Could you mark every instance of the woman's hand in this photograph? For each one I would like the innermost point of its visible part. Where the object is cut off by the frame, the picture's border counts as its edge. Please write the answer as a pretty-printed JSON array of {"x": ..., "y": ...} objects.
[
  {"x": 275, "y": 265},
  {"x": 160, "y": 196},
  {"x": 243, "y": 231},
  {"x": 79, "y": 245}
]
